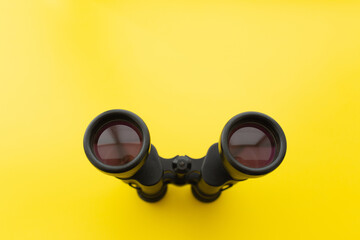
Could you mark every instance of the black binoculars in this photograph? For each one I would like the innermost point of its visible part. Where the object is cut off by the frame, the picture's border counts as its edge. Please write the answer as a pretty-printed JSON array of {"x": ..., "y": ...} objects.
[{"x": 117, "y": 142}]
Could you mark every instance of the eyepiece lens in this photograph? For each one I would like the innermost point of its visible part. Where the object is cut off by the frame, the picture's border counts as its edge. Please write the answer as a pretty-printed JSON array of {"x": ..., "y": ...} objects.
[
  {"x": 117, "y": 143},
  {"x": 252, "y": 145}
]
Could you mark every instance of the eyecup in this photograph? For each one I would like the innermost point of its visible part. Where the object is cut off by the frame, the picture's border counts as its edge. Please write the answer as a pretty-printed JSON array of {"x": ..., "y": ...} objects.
[
  {"x": 204, "y": 197},
  {"x": 153, "y": 198}
]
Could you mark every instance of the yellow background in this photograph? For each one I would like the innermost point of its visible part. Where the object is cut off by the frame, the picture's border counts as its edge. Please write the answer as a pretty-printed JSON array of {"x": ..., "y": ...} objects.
[{"x": 185, "y": 67}]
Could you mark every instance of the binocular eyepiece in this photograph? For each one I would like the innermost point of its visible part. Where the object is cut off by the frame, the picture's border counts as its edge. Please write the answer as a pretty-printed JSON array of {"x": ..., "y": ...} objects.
[{"x": 117, "y": 142}]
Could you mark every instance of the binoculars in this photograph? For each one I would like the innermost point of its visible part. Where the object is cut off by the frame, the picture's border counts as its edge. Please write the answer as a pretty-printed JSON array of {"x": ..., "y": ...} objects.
[{"x": 117, "y": 142}]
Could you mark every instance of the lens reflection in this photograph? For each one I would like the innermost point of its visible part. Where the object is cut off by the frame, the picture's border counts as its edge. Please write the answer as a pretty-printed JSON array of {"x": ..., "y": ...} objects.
[
  {"x": 252, "y": 145},
  {"x": 117, "y": 143}
]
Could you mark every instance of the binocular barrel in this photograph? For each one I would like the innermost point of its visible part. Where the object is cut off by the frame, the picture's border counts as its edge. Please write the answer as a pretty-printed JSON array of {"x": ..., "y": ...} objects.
[
  {"x": 251, "y": 145},
  {"x": 117, "y": 142}
]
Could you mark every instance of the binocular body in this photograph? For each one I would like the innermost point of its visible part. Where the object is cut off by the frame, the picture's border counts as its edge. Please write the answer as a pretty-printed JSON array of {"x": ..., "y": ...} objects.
[{"x": 117, "y": 142}]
